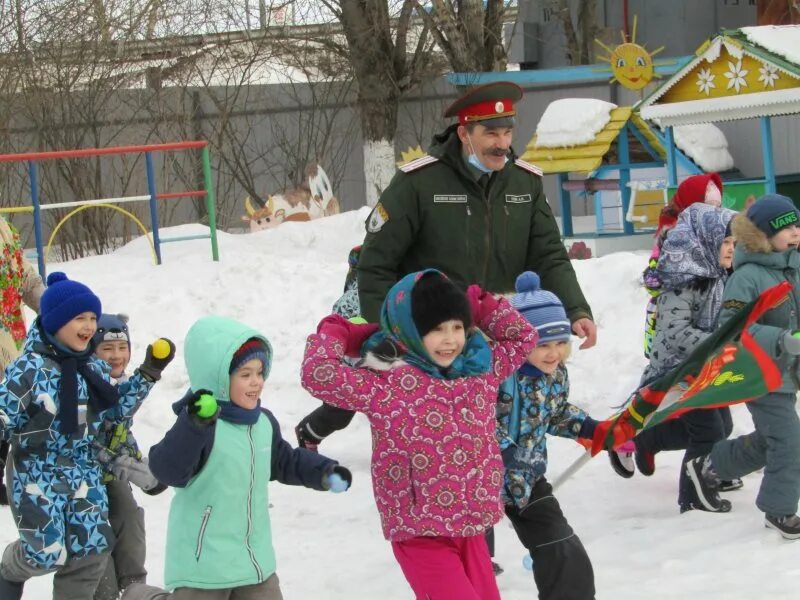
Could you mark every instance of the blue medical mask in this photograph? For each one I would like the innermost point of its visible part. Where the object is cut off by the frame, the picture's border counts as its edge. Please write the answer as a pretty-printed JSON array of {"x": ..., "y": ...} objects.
[{"x": 476, "y": 162}]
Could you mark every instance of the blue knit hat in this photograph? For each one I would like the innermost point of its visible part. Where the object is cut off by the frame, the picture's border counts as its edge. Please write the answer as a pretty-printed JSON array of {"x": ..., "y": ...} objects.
[
  {"x": 112, "y": 328},
  {"x": 773, "y": 212},
  {"x": 252, "y": 348},
  {"x": 63, "y": 300},
  {"x": 541, "y": 308}
]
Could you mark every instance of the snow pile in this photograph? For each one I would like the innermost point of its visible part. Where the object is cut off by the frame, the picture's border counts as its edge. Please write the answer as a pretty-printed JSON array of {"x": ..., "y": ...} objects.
[
  {"x": 706, "y": 145},
  {"x": 572, "y": 121},
  {"x": 328, "y": 546},
  {"x": 783, "y": 40}
]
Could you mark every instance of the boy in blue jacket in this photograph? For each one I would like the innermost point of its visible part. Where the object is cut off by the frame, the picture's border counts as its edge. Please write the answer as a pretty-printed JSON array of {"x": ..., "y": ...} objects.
[
  {"x": 221, "y": 452},
  {"x": 52, "y": 402}
]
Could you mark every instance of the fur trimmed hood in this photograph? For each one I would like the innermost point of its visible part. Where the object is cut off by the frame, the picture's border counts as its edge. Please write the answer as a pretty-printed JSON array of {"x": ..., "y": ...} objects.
[{"x": 748, "y": 236}]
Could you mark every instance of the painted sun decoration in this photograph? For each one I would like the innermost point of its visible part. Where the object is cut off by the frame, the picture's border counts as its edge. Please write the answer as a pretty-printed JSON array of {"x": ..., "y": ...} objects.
[{"x": 631, "y": 64}]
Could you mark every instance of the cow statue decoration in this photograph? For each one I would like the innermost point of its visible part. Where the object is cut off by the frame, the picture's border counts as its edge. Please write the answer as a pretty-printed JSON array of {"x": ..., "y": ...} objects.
[{"x": 312, "y": 199}]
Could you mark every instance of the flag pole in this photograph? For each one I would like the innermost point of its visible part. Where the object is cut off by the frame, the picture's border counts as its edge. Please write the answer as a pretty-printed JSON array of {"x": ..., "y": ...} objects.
[{"x": 572, "y": 469}]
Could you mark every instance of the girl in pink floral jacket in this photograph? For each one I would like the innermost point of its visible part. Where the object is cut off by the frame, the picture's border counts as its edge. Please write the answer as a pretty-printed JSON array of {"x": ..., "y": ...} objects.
[{"x": 428, "y": 385}]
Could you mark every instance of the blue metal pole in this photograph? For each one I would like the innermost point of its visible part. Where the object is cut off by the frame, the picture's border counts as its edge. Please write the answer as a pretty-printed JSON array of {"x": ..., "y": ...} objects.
[
  {"x": 766, "y": 151},
  {"x": 624, "y": 178},
  {"x": 151, "y": 189},
  {"x": 566, "y": 206},
  {"x": 33, "y": 175},
  {"x": 672, "y": 166}
]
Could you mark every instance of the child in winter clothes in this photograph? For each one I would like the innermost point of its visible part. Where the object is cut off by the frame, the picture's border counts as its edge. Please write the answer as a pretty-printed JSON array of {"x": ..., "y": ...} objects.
[
  {"x": 122, "y": 462},
  {"x": 693, "y": 268},
  {"x": 219, "y": 456},
  {"x": 324, "y": 420},
  {"x": 428, "y": 385},
  {"x": 19, "y": 282},
  {"x": 707, "y": 189},
  {"x": 54, "y": 398},
  {"x": 534, "y": 402},
  {"x": 766, "y": 254}
]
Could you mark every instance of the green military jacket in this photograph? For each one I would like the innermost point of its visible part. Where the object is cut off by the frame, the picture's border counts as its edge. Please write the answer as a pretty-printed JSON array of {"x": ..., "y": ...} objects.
[{"x": 435, "y": 214}]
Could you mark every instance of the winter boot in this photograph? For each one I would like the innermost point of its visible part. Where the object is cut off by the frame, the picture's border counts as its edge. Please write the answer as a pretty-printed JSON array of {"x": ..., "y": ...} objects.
[
  {"x": 645, "y": 461},
  {"x": 706, "y": 484},
  {"x": 306, "y": 438},
  {"x": 787, "y": 525},
  {"x": 729, "y": 485},
  {"x": 622, "y": 460},
  {"x": 10, "y": 590}
]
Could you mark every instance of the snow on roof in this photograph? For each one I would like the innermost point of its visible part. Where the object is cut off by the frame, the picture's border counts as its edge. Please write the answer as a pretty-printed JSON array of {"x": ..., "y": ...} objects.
[
  {"x": 572, "y": 121},
  {"x": 783, "y": 40},
  {"x": 706, "y": 145}
]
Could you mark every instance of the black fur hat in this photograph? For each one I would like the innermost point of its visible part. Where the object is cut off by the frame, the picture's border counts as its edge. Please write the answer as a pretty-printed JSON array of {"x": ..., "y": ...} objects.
[{"x": 434, "y": 300}]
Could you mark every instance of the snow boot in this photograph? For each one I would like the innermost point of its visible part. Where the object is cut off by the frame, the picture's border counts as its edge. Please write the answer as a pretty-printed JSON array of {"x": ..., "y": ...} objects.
[
  {"x": 645, "y": 461},
  {"x": 787, "y": 525},
  {"x": 10, "y": 590},
  {"x": 622, "y": 460},
  {"x": 706, "y": 484},
  {"x": 729, "y": 485}
]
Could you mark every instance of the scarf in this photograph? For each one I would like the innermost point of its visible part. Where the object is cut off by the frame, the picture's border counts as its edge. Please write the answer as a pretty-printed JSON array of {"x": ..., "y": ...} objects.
[
  {"x": 397, "y": 326},
  {"x": 102, "y": 394},
  {"x": 691, "y": 253}
]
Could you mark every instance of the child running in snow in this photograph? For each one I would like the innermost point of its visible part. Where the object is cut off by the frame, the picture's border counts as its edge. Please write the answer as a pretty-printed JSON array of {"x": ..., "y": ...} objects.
[
  {"x": 327, "y": 419},
  {"x": 428, "y": 385},
  {"x": 219, "y": 456},
  {"x": 767, "y": 237},
  {"x": 706, "y": 188},
  {"x": 693, "y": 268},
  {"x": 123, "y": 465},
  {"x": 52, "y": 403},
  {"x": 532, "y": 403}
]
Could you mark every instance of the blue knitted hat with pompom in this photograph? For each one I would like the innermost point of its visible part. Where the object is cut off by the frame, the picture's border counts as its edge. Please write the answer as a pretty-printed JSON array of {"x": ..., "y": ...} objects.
[
  {"x": 63, "y": 300},
  {"x": 541, "y": 308}
]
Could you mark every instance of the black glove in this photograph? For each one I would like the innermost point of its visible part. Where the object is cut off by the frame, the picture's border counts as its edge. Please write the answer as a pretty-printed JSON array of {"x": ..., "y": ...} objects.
[
  {"x": 202, "y": 407},
  {"x": 335, "y": 486},
  {"x": 152, "y": 366}
]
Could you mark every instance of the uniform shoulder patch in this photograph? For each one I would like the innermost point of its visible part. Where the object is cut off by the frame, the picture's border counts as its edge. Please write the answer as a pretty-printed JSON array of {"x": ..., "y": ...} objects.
[
  {"x": 522, "y": 164},
  {"x": 734, "y": 304},
  {"x": 418, "y": 163},
  {"x": 377, "y": 218}
]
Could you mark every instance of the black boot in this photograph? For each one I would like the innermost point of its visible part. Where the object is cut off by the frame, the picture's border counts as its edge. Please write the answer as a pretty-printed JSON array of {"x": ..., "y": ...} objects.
[
  {"x": 10, "y": 590},
  {"x": 706, "y": 484},
  {"x": 787, "y": 525}
]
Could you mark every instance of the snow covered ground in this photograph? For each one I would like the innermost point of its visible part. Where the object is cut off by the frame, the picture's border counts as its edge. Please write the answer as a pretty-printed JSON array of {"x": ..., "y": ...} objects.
[{"x": 330, "y": 546}]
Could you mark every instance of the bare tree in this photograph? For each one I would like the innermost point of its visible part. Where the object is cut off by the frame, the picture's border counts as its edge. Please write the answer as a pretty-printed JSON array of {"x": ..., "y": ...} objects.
[{"x": 579, "y": 36}]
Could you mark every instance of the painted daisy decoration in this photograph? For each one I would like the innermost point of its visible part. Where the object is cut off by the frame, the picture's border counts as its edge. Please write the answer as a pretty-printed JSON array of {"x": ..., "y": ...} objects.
[
  {"x": 768, "y": 74},
  {"x": 705, "y": 81},
  {"x": 736, "y": 76}
]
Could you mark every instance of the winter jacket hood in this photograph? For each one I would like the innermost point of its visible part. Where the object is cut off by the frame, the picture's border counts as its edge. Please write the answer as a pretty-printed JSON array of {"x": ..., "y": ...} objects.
[{"x": 210, "y": 345}]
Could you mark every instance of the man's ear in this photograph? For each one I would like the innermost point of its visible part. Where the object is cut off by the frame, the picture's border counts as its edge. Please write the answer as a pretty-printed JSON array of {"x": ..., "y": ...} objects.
[{"x": 461, "y": 131}]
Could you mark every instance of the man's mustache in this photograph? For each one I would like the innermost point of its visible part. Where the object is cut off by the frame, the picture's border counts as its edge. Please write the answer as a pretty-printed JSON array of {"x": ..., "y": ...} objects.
[{"x": 497, "y": 152}]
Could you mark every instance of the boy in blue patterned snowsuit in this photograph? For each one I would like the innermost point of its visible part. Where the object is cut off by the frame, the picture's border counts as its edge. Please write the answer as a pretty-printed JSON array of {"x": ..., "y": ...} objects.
[
  {"x": 533, "y": 403},
  {"x": 52, "y": 402}
]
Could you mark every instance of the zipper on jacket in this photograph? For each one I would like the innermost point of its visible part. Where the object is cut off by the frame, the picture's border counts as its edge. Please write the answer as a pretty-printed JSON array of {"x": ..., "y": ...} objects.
[
  {"x": 467, "y": 232},
  {"x": 201, "y": 534},
  {"x": 250, "y": 487},
  {"x": 488, "y": 238},
  {"x": 505, "y": 228}
]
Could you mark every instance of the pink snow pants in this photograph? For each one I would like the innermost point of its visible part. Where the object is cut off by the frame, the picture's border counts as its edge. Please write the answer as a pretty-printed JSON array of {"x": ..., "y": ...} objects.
[{"x": 441, "y": 568}]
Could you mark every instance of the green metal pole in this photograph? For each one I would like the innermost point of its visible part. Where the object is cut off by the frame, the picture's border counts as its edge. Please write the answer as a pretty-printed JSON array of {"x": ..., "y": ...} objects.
[{"x": 210, "y": 203}]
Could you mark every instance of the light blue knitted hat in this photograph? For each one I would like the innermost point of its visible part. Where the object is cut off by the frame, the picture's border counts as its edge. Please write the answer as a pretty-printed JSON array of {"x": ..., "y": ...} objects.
[{"x": 541, "y": 308}]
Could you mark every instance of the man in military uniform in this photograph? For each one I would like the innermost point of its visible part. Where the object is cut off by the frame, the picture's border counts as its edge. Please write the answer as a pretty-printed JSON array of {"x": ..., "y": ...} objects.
[{"x": 473, "y": 210}]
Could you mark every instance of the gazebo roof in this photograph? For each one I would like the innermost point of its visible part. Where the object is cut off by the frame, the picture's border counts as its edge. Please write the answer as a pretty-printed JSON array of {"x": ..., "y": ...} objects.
[
  {"x": 588, "y": 156},
  {"x": 739, "y": 74}
]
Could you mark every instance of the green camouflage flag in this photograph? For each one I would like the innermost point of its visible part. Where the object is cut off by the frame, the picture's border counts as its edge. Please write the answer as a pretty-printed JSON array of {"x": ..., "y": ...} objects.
[{"x": 729, "y": 367}]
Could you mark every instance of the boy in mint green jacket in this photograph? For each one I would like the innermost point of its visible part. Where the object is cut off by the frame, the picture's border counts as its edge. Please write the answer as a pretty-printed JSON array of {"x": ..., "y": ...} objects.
[{"x": 221, "y": 453}]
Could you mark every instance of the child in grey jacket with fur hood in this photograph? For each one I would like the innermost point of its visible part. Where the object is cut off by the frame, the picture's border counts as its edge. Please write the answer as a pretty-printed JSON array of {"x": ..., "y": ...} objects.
[{"x": 766, "y": 255}]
